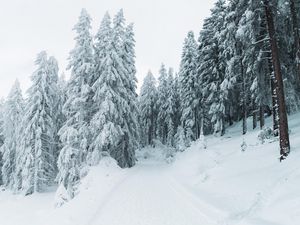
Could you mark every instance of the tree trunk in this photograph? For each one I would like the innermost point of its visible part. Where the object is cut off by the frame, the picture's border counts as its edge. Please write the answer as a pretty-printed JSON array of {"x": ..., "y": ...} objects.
[
  {"x": 274, "y": 105},
  {"x": 262, "y": 116},
  {"x": 283, "y": 122},
  {"x": 254, "y": 116},
  {"x": 230, "y": 117},
  {"x": 244, "y": 97}
]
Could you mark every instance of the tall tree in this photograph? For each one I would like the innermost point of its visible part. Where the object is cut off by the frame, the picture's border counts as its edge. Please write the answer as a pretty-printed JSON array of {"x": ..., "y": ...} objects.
[
  {"x": 115, "y": 124},
  {"x": 13, "y": 114},
  {"x": 171, "y": 108},
  {"x": 148, "y": 110},
  {"x": 212, "y": 67},
  {"x": 188, "y": 87},
  {"x": 77, "y": 109},
  {"x": 162, "y": 105},
  {"x": 283, "y": 123},
  {"x": 37, "y": 163}
]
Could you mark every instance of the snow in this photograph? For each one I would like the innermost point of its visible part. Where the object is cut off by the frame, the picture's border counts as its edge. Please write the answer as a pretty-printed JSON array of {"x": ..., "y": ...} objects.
[
  {"x": 250, "y": 187},
  {"x": 219, "y": 185}
]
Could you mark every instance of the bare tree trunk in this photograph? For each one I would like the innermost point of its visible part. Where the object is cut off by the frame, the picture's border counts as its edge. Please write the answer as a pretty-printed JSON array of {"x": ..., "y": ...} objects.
[
  {"x": 262, "y": 116},
  {"x": 274, "y": 105},
  {"x": 254, "y": 116},
  {"x": 283, "y": 122},
  {"x": 273, "y": 84},
  {"x": 230, "y": 117},
  {"x": 244, "y": 98}
]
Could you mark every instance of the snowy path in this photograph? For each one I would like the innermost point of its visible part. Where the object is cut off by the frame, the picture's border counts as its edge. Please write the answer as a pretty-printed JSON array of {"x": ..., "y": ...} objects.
[{"x": 148, "y": 197}]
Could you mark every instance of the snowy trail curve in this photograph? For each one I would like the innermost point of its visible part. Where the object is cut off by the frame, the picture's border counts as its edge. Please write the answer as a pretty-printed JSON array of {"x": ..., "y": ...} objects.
[{"x": 148, "y": 197}]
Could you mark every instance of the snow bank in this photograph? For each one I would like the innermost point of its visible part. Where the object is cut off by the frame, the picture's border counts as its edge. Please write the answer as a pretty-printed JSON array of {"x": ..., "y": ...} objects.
[
  {"x": 250, "y": 187},
  {"x": 39, "y": 209},
  {"x": 94, "y": 188}
]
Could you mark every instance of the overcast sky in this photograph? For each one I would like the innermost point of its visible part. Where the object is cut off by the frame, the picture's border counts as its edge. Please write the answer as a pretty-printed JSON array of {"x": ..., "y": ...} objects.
[{"x": 30, "y": 26}]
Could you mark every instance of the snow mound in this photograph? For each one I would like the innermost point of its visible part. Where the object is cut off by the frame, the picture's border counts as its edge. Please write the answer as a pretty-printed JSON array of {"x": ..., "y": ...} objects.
[{"x": 248, "y": 187}]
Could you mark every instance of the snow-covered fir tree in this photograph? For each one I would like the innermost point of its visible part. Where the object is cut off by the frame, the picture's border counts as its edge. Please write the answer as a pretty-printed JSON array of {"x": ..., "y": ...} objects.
[
  {"x": 148, "y": 110},
  {"x": 1, "y": 135},
  {"x": 162, "y": 105},
  {"x": 115, "y": 122},
  {"x": 128, "y": 57},
  {"x": 188, "y": 87},
  {"x": 171, "y": 108},
  {"x": 74, "y": 134},
  {"x": 12, "y": 117},
  {"x": 36, "y": 163},
  {"x": 211, "y": 69}
]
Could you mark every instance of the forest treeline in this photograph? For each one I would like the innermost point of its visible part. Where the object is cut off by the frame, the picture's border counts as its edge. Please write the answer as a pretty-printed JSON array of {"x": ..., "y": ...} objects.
[{"x": 244, "y": 63}]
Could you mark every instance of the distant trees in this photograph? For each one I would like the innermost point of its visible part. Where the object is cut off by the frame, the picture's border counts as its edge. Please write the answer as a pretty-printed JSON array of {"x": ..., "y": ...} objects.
[
  {"x": 236, "y": 70},
  {"x": 148, "y": 109}
]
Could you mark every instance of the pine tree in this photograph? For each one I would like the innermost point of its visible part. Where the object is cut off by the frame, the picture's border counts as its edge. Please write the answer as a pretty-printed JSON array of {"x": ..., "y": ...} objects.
[
  {"x": 128, "y": 57},
  {"x": 211, "y": 70},
  {"x": 114, "y": 123},
  {"x": 188, "y": 87},
  {"x": 171, "y": 109},
  {"x": 162, "y": 105},
  {"x": 13, "y": 114},
  {"x": 1, "y": 136},
  {"x": 176, "y": 101},
  {"x": 74, "y": 134},
  {"x": 148, "y": 110},
  {"x": 37, "y": 160},
  {"x": 283, "y": 123}
]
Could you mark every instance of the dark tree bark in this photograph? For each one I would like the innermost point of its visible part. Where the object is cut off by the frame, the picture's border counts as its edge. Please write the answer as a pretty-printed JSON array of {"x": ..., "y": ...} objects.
[
  {"x": 274, "y": 105},
  {"x": 283, "y": 122},
  {"x": 244, "y": 98},
  {"x": 230, "y": 117},
  {"x": 254, "y": 116},
  {"x": 262, "y": 116}
]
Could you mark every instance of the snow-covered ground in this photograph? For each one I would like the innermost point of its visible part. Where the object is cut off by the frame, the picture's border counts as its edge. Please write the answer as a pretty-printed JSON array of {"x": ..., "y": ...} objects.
[{"x": 220, "y": 185}]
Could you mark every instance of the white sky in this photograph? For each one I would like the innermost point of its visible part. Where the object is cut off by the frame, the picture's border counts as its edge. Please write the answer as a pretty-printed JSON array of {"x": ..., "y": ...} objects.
[{"x": 30, "y": 26}]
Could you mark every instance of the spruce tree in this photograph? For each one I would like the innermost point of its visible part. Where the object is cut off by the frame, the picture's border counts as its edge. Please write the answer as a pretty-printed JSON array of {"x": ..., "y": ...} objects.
[
  {"x": 13, "y": 114},
  {"x": 148, "y": 110},
  {"x": 212, "y": 68},
  {"x": 74, "y": 134},
  {"x": 114, "y": 123},
  {"x": 162, "y": 105},
  {"x": 37, "y": 160},
  {"x": 171, "y": 108},
  {"x": 188, "y": 87}
]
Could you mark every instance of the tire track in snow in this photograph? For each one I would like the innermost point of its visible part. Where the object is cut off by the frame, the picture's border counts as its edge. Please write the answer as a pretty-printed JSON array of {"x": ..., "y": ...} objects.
[
  {"x": 134, "y": 172},
  {"x": 207, "y": 210}
]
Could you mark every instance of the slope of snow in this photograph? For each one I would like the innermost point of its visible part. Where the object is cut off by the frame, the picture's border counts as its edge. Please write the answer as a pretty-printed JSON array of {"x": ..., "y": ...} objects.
[
  {"x": 250, "y": 187},
  {"x": 220, "y": 185}
]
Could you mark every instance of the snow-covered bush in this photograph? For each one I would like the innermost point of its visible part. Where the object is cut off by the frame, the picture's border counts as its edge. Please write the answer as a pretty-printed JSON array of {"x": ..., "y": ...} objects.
[
  {"x": 265, "y": 134},
  {"x": 244, "y": 146},
  {"x": 61, "y": 196},
  {"x": 180, "y": 139}
]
